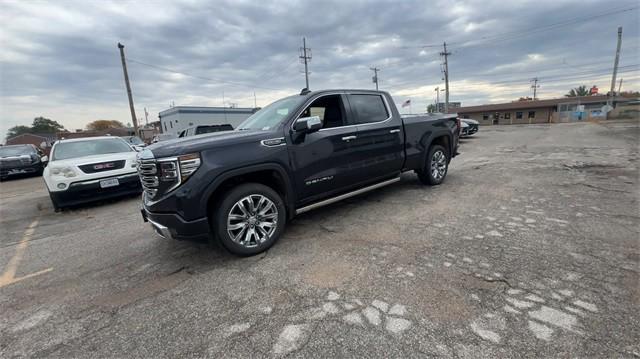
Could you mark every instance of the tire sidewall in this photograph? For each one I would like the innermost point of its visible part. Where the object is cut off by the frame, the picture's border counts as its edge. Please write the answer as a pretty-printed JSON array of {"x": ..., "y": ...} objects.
[
  {"x": 234, "y": 195},
  {"x": 433, "y": 150}
]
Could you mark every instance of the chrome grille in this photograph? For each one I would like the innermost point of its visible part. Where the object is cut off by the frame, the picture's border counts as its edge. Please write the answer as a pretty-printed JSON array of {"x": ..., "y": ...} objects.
[{"x": 147, "y": 170}]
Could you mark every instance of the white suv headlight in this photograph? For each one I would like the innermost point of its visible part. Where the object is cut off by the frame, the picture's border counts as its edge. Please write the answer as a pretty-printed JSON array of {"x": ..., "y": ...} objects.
[{"x": 65, "y": 171}]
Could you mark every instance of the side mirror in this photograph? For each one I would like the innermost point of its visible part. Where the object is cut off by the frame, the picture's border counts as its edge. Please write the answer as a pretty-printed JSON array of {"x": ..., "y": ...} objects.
[
  {"x": 307, "y": 124},
  {"x": 44, "y": 159}
]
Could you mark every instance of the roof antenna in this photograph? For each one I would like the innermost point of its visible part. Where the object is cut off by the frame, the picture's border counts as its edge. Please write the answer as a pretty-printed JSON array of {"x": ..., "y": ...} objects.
[{"x": 305, "y": 91}]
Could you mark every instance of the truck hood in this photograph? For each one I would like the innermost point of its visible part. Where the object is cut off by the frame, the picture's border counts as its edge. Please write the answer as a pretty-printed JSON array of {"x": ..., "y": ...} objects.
[{"x": 198, "y": 143}]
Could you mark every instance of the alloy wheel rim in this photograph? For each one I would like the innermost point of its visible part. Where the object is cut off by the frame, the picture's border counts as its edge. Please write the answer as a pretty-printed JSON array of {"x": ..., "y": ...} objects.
[
  {"x": 438, "y": 165},
  {"x": 252, "y": 220}
]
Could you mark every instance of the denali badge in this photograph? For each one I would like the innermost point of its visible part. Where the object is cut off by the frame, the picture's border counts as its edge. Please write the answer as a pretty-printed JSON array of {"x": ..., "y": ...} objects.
[
  {"x": 101, "y": 166},
  {"x": 316, "y": 180}
]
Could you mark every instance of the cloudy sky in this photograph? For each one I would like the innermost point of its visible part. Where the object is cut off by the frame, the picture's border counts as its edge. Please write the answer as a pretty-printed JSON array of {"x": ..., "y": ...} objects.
[{"x": 60, "y": 59}]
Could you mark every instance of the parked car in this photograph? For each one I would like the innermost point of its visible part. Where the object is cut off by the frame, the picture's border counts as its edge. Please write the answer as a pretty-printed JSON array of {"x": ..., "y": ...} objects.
[
  {"x": 21, "y": 159},
  {"x": 163, "y": 137},
  {"x": 202, "y": 129},
  {"x": 135, "y": 142},
  {"x": 472, "y": 126},
  {"x": 464, "y": 127},
  {"x": 91, "y": 168},
  {"x": 299, "y": 153}
]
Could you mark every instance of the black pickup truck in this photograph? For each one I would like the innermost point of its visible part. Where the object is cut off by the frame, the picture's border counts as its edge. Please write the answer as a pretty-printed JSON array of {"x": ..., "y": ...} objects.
[{"x": 299, "y": 153}]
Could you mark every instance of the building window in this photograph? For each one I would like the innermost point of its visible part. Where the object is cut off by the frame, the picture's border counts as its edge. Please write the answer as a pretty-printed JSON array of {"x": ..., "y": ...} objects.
[
  {"x": 507, "y": 115},
  {"x": 519, "y": 115},
  {"x": 165, "y": 126},
  {"x": 485, "y": 116},
  {"x": 465, "y": 116},
  {"x": 171, "y": 124},
  {"x": 176, "y": 121},
  {"x": 532, "y": 114}
]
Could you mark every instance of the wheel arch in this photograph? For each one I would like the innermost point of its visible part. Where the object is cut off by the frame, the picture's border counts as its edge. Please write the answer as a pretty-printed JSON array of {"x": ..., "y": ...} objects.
[{"x": 272, "y": 175}]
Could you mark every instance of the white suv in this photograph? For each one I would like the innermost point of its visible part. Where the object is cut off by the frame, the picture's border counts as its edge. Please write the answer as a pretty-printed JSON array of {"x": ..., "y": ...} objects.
[{"x": 87, "y": 169}]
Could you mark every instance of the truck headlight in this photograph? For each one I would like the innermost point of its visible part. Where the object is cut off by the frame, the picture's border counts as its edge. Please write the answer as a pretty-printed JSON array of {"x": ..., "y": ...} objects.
[
  {"x": 180, "y": 168},
  {"x": 65, "y": 171}
]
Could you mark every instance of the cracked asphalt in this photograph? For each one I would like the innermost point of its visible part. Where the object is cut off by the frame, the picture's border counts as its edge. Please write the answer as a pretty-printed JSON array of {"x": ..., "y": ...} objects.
[{"x": 529, "y": 249}]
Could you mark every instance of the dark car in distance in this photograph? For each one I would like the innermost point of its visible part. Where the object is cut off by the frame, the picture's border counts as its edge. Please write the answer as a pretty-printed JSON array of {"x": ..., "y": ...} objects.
[
  {"x": 299, "y": 153},
  {"x": 21, "y": 159}
]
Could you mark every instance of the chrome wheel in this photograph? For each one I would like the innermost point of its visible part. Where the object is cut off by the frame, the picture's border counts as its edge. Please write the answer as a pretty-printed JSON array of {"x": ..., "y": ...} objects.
[
  {"x": 438, "y": 165},
  {"x": 252, "y": 220}
]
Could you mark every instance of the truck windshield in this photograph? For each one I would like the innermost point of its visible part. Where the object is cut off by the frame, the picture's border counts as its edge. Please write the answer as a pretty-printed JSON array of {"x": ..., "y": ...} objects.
[{"x": 270, "y": 116}]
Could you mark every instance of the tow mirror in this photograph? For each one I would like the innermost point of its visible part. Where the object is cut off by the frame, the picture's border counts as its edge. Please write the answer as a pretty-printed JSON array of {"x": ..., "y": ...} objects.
[
  {"x": 44, "y": 159},
  {"x": 308, "y": 124}
]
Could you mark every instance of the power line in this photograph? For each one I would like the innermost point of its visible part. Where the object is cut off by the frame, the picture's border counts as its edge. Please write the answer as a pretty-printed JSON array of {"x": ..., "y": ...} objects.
[
  {"x": 199, "y": 77},
  {"x": 546, "y": 78},
  {"x": 520, "y": 33}
]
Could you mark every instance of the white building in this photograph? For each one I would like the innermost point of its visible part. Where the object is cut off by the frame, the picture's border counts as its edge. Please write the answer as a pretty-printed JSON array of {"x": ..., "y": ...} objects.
[{"x": 178, "y": 118}]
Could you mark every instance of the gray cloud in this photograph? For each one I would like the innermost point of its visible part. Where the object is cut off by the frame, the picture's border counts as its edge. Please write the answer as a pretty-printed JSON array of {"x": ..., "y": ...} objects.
[{"x": 60, "y": 59}]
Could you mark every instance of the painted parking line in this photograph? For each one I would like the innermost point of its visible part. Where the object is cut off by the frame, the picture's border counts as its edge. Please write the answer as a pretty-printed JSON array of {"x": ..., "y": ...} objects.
[{"x": 9, "y": 275}]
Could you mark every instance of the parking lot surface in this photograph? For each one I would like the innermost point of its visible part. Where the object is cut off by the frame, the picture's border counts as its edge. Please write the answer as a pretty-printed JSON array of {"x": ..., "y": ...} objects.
[{"x": 529, "y": 249}]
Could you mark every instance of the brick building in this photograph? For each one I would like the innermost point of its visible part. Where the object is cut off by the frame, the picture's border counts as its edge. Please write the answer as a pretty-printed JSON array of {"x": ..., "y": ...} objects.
[
  {"x": 35, "y": 139},
  {"x": 564, "y": 109}
]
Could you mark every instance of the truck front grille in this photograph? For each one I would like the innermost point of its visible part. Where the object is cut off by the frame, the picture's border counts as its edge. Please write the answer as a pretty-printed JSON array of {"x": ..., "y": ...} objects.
[{"x": 148, "y": 169}]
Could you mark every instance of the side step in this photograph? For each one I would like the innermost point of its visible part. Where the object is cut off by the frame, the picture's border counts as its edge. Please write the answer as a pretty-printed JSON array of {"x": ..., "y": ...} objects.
[{"x": 346, "y": 195}]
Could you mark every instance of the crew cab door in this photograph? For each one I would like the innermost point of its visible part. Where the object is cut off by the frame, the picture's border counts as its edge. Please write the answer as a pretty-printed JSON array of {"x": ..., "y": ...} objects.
[
  {"x": 323, "y": 160},
  {"x": 380, "y": 139}
]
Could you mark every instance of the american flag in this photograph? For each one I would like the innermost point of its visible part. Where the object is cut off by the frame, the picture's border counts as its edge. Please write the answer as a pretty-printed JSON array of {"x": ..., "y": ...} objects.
[{"x": 406, "y": 103}]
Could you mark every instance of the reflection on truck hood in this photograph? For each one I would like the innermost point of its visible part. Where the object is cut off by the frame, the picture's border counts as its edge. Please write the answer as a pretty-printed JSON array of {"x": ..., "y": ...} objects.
[{"x": 198, "y": 143}]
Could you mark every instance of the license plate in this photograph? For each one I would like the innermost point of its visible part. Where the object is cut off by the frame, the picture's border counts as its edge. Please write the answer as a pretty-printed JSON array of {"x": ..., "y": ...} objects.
[{"x": 111, "y": 182}]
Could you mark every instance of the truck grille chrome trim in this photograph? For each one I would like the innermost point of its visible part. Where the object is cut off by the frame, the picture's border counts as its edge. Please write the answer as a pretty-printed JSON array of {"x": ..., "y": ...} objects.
[{"x": 346, "y": 195}]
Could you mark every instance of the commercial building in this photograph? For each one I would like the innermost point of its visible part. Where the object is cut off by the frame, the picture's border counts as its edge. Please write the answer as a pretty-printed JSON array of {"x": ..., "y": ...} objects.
[
  {"x": 564, "y": 109},
  {"x": 178, "y": 118}
]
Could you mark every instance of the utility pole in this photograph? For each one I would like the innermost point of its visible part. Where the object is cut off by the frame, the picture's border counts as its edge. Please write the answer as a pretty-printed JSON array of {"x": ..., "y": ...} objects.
[
  {"x": 146, "y": 116},
  {"x": 126, "y": 81},
  {"x": 446, "y": 54},
  {"x": 375, "y": 75},
  {"x": 437, "y": 90},
  {"x": 305, "y": 57},
  {"x": 615, "y": 64},
  {"x": 534, "y": 86},
  {"x": 620, "y": 87},
  {"x": 255, "y": 102}
]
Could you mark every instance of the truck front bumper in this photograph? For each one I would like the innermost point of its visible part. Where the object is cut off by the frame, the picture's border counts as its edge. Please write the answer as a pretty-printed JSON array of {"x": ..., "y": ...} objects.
[{"x": 172, "y": 226}]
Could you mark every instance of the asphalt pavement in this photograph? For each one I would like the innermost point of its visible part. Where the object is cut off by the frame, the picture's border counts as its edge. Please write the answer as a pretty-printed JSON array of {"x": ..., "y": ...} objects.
[{"x": 529, "y": 249}]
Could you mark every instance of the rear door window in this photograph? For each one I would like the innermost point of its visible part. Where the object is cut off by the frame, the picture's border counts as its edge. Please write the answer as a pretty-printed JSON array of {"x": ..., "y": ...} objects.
[{"x": 368, "y": 108}]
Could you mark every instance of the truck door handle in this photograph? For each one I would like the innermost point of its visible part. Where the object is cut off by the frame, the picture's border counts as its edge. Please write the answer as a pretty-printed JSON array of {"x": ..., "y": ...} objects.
[
  {"x": 349, "y": 138},
  {"x": 394, "y": 131}
]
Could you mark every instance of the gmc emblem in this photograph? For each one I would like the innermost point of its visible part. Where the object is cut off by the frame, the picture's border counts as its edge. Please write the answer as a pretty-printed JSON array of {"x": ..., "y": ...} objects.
[{"x": 102, "y": 166}]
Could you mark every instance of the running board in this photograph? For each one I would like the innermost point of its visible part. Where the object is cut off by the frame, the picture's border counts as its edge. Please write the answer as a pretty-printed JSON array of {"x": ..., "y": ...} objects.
[{"x": 346, "y": 195}]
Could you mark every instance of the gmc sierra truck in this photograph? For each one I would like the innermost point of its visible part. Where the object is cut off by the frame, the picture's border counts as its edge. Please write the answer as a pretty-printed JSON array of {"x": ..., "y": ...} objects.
[{"x": 241, "y": 187}]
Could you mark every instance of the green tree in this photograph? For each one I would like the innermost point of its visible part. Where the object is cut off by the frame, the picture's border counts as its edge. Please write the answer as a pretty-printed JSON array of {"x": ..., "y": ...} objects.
[
  {"x": 45, "y": 125},
  {"x": 98, "y": 125},
  {"x": 431, "y": 108},
  {"x": 17, "y": 130},
  {"x": 581, "y": 90}
]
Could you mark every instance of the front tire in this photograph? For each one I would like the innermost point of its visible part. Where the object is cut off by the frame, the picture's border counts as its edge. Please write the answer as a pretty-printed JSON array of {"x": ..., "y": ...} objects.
[
  {"x": 437, "y": 166},
  {"x": 250, "y": 219}
]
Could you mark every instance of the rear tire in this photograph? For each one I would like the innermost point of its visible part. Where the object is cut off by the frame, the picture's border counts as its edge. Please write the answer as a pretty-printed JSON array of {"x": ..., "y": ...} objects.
[
  {"x": 250, "y": 219},
  {"x": 436, "y": 167}
]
